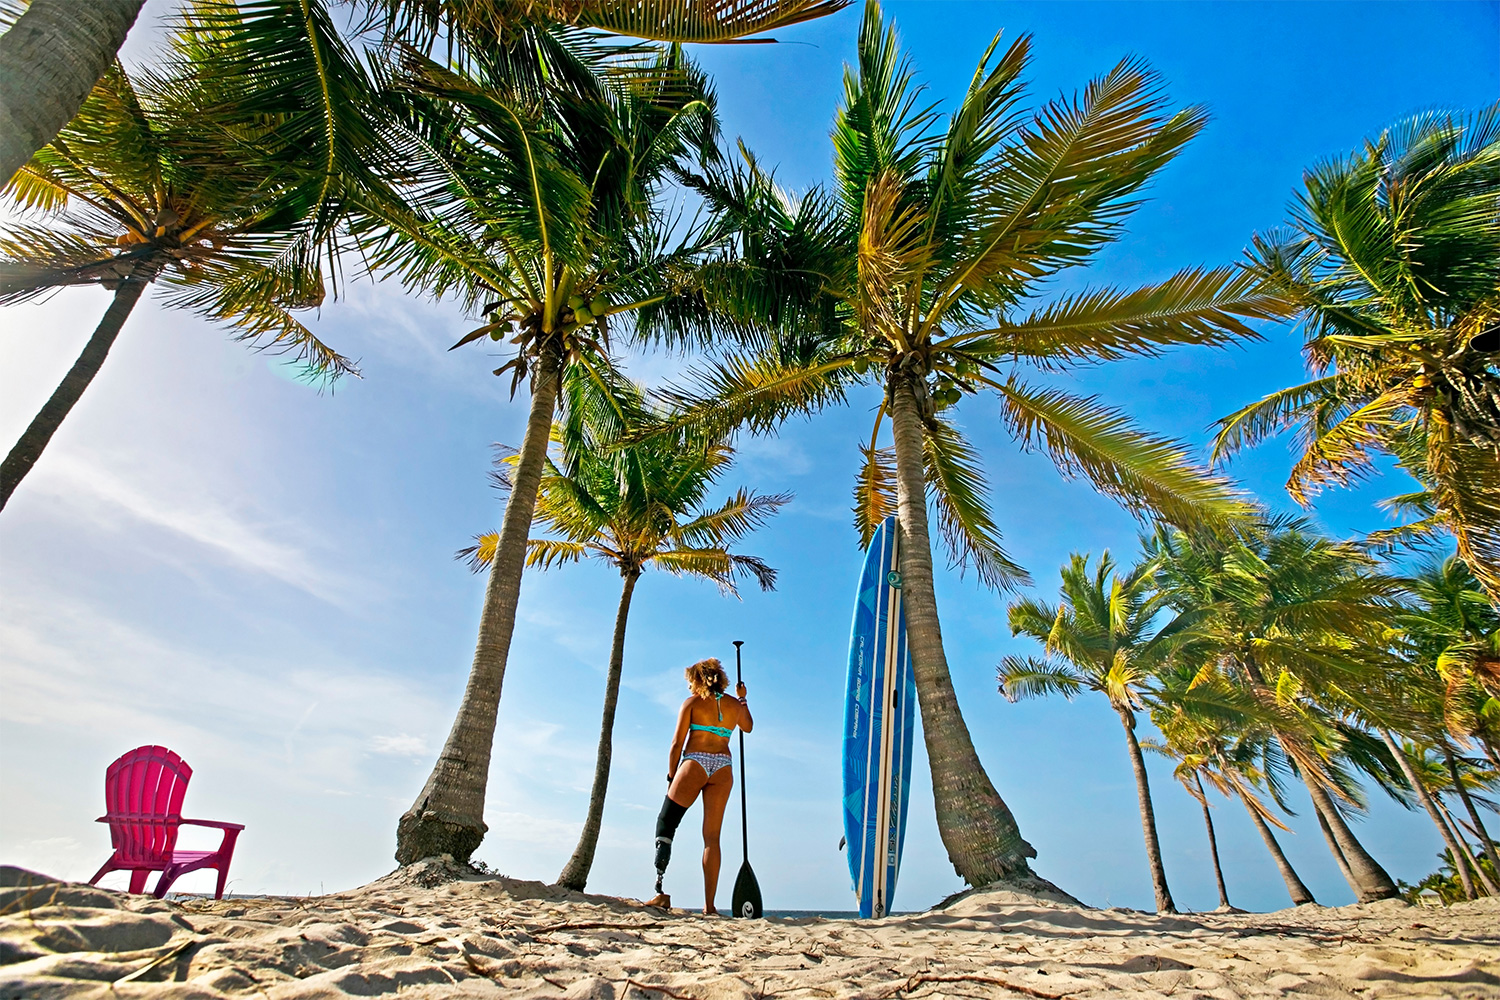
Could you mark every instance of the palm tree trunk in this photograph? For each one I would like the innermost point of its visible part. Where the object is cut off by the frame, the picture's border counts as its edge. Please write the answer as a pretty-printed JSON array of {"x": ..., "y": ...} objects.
[
  {"x": 1363, "y": 873},
  {"x": 1164, "y": 902},
  {"x": 1489, "y": 751},
  {"x": 1426, "y": 799},
  {"x": 575, "y": 873},
  {"x": 39, "y": 432},
  {"x": 1335, "y": 850},
  {"x": 1479, "y": 830},
  {"x": 1294, "y": 885},
  {"x": 448, "y": 815},
  {"x": 1365, "y": 876},
  {"x": 1463, "y": 860},
  {"x": 49, "y": 61},
  {"x": 976, "y": 826},
  {"x": 1213, "y": 844},
  {"x": 1465, "y": 855}
]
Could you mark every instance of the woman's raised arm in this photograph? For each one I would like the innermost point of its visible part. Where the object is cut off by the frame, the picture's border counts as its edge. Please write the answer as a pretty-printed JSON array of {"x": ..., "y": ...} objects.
[{"x": 746, "y": 722}]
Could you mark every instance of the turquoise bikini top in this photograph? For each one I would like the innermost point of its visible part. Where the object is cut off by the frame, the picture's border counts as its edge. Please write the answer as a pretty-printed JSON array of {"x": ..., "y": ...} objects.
[{"x": 716, "y": 730}]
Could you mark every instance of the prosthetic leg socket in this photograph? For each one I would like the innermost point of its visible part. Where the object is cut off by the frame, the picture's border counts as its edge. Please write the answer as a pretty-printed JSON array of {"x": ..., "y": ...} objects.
[{"x": 667, "y": 822}]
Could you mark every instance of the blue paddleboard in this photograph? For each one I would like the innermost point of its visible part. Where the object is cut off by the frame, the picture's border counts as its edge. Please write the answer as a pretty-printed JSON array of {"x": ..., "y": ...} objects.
[{"x": 879, "y": 720}]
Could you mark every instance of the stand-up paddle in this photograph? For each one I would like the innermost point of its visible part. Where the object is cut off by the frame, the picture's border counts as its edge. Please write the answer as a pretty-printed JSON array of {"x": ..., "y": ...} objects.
[{"x": 746, "y": 889}]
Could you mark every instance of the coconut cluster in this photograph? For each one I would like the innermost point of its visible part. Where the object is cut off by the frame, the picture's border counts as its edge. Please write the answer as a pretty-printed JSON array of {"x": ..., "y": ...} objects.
[{"x": 581, "y": 312}]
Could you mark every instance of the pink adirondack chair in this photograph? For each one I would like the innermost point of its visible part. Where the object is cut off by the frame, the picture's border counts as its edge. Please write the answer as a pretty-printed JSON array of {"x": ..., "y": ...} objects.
[{"x": 143, "y": 793}]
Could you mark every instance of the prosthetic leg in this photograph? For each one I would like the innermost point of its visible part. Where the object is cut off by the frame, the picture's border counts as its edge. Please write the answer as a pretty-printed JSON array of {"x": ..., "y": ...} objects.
[{"x": 667, "y": 822}]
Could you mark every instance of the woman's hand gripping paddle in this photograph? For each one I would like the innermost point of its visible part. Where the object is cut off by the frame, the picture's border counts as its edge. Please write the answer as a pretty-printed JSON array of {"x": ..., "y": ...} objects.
[{"x": 746, "y": 889}]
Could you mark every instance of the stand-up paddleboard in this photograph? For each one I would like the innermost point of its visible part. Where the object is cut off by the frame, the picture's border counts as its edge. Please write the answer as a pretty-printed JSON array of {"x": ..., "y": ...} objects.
[{"x": 879, "y": 720}]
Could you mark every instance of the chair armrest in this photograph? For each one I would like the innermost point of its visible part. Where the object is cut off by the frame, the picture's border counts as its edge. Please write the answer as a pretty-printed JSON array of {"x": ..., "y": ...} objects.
[{"x": 213, "y": 823}]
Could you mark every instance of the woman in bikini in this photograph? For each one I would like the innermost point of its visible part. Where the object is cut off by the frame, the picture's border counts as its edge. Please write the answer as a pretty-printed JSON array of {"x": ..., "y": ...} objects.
[{"x": 699, "y": 761}]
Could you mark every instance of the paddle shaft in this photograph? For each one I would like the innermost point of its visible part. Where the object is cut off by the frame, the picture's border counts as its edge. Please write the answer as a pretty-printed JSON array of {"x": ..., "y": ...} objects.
[{"x": 744, "y": 818}]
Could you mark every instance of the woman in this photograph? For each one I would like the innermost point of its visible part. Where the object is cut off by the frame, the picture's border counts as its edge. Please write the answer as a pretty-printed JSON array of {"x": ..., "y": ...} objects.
[{"x": 699, "y": 761}]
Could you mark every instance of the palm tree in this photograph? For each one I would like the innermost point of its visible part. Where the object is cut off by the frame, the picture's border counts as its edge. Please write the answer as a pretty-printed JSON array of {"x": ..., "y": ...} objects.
[
  {"x": 1451, "y": 636},
  {"x": 636, "y": 508},
  {"x": 538, "y": 206},
  {"x": 1291, "y": 618},
  {"x": 1216, "y": 733},
  {"x": 1190, "y": 769},
  {"x": 1393, "y": 259},
  {"x": 911, "y": 274},
  {"x": 1101, "y": 639},
  {"x": 1444, "y": 631},
  {"x": 158, "y": 177},
  {"x": 1464, "y": 774},
  {"x": 1454, "y": 633},
  {"x": 1427, "y": 773},
  {"x": 51, "y": 56}
]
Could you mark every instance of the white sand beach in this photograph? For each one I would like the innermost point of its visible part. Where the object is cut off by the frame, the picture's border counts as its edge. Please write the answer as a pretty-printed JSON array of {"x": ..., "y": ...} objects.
[{"x": 434, "y": 930}]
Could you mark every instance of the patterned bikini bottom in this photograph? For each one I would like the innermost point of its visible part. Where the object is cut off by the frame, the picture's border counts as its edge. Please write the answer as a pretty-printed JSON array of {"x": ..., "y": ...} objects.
[{"x": 710, "y": 762}]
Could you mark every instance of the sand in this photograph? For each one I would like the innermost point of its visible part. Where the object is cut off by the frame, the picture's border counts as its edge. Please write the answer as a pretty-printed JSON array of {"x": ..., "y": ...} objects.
[{"x": 436, "y": 930}]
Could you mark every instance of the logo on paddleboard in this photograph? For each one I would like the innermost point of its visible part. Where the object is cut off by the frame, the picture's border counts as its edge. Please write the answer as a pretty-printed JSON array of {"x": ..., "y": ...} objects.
[{"x": 894, "y": 579}]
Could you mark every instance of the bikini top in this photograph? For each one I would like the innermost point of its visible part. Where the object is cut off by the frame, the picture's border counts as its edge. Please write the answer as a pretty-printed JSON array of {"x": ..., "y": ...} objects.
[{"x": 716, "y": 730}]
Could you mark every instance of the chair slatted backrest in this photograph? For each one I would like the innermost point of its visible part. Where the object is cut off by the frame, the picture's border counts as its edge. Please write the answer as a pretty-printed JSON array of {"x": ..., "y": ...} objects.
[{"x": 143, "y": 793}]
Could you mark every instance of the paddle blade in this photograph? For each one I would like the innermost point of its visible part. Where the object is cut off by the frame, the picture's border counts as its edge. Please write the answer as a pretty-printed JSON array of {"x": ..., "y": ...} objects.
[{"x": 747, "y": 893}]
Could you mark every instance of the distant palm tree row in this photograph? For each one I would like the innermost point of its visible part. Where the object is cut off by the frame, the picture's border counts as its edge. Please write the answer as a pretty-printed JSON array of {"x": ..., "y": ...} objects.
[
  {"x": 1281, "y": 654},
  {"x": 522, "y": 159}
]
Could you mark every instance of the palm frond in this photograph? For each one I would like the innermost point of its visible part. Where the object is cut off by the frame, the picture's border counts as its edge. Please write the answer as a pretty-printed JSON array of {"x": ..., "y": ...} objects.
[
  {"x": 754, "y": 392},
  {"x": 879, "y": 128},
  {"x": 541, "y": 553},
  {"x": 1062, "y": 189},
  {"x": 285, "y": 61},
  {"x": 1468, "y": 494},
  {"x": 1197, "y": 306},
  {"x": 37, "y": 259},
  {"x": 1281, "y": 409},
  {"x": 486, "y": 24},
  {"x": 756, "y": 567},
  {"x": 1145, "y": 473},
  {"x": 708, "y": 564},
  {"x": 700, "y": 20},
  {"x": 732, "y": 521},
  {"x": 1340, "y": 454},
  {"x": 1033, "y": 618},
  {"x": 874, "y": 491},
  {"x": 1029, "y": 677},
  {"x": 960, "y": 169},
  {"x": 960, "y": 494}
]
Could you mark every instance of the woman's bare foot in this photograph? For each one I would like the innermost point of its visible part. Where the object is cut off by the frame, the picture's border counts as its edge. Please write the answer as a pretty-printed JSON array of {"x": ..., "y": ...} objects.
[
  {"x": 661, "y": 900},
  {"x": 709, "y": 911}
]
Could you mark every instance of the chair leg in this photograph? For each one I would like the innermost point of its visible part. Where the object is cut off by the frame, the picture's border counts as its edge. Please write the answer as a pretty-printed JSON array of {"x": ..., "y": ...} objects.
[
  {"x": 109, "y": 866},
  {"x": 138, "y": 879},
  {"x": 168, "y": 876},
  {"x": 226, "y": 855}
]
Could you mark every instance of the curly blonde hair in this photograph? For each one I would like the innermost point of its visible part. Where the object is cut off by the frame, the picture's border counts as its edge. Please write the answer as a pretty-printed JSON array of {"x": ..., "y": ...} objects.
[{"x": 707, "y": 678}]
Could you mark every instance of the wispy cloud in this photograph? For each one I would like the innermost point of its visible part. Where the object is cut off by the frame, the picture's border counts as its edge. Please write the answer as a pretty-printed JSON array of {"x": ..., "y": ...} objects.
[
  {"x": 401, "y": 745},
  {"x": 774, "y": 456},
  {"x": 87, "y": 485}
]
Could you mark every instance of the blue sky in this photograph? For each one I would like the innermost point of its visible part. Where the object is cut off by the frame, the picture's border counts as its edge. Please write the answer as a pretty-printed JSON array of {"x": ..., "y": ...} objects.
[{"x": 217, "y": 558}]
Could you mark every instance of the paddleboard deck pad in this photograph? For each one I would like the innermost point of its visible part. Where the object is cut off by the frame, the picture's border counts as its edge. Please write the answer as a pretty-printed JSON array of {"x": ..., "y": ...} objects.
[{"x": 879, "y": 722}]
